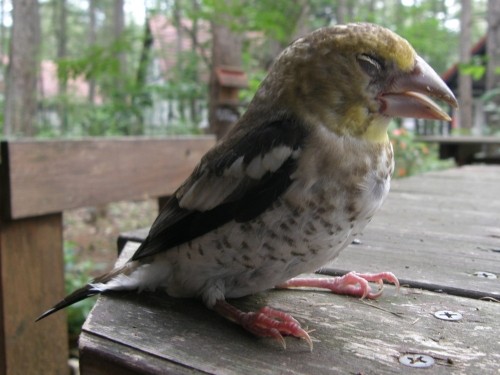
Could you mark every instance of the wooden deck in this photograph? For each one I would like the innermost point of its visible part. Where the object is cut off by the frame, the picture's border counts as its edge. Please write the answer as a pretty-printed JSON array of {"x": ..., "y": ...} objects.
[
  {"x": 466, "y": 149},
  {"x": 439, "y": 233}
]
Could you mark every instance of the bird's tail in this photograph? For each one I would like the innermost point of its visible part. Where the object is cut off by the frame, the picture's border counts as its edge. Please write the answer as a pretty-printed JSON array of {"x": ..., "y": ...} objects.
[
  {"x": 76, "y": 296},
  {"x": 96, "y": 286}
]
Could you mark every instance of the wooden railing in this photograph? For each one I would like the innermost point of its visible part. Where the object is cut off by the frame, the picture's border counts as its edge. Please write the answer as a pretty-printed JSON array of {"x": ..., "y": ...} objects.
[
  {"x": 38, "y": 181},
  {"x": 466, "y": 149}
]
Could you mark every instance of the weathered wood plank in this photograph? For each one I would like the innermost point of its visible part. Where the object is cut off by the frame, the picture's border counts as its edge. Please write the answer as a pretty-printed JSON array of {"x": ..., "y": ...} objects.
[
  {"x": 464, "y": 139},
  {"x": 437, "y": 228},
  {"x": 99, "y": 356},
  {"x": 350, "y": 335},
  {"x": 52, "y": 176},
  {"x": 430, "y": 259},
  {"x": 31, "y": 278},
  {"x": 469, "y": 172},
  {"x": 464, "y": 149}
]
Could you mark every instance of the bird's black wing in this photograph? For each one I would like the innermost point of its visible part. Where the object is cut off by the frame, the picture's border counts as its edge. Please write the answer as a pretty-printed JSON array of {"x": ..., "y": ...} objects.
[{"x": 237, "y": 180}]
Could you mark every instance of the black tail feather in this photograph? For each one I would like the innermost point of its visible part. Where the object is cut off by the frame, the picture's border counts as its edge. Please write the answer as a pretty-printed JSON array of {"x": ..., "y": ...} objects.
[
  {"x": 76, "y": 296},
  {"x": 88, "y": 290}
]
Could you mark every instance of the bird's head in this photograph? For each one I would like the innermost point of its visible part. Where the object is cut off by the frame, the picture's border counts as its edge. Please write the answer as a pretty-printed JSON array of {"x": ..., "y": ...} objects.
[{"x": 353, "y": 78}]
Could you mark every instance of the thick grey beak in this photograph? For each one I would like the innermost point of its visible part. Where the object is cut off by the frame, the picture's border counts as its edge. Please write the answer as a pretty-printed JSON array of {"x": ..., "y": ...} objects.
[{"x": 409, "y": 94}]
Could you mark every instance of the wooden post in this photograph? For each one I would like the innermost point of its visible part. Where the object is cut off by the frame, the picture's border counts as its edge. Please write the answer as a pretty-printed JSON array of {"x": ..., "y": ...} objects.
[
  {"x": 31, "y": 279},
  {"x": 38, "y": 181}
]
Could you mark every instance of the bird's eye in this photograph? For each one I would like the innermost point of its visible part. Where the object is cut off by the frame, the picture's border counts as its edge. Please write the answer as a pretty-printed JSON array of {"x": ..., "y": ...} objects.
[{"x": 370, "y": 65}]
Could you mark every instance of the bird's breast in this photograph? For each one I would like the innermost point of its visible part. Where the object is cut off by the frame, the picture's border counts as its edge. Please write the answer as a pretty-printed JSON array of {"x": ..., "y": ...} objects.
[{"x": 305, "y": 228}]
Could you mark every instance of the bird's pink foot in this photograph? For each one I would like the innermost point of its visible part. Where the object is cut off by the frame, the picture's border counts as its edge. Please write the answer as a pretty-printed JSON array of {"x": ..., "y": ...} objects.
[
  {"x": 266, "y": 322},
  {"x": 353, "y": 284}
]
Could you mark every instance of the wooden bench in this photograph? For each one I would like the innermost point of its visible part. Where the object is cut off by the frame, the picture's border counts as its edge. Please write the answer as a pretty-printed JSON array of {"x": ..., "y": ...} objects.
[
  {"x": 439, "y": 232},
  {"x": 38, "y": 181},
  {"x": 464, "y": 149}
]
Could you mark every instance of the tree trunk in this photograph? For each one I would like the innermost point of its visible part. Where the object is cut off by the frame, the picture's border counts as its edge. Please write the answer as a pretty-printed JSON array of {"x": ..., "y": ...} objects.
[
  {"x": 493, "y": 53},
  {"x": 176, "y": 18},
  {"x": 302, "y": 26},
  {"x": 193, "y": 108},
  {"x": 465, "y": 80},
  {"x": 341, "y": 11},
  {"x": 61, "y": 36},
  {"x": 127, "y": 123},
  {"x": 118, "y": 27},
  {"x": 141, "y": 97},
  {"x": 2, "y": 29},
  {"x": 20, "y": 95},
  {"x": 179, "y": 61},
  {"x": 226, "y": 50},
  {"x": 92, "y": 40}
]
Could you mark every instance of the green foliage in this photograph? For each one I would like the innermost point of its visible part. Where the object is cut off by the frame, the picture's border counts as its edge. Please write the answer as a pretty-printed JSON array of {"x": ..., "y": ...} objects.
[
  {"x": 491, "y": 106},
  {"x": 276, "y": 19},
  {"x": 428, "y": 36},
  {"x": 414, "y": 157},
  {"x": 490, "y": 99},
  {"x": 183, "y": 81},
  {"x": 76, "y": 27},
  {"x": 77, "y": 274},
  {"x": 254, "y": 79},
  {"x": 125, "y": 96},
  {"x": 476, "y": 68},
  {"x": 490, "y": 94},
  {"x": 122, "y": 97}
]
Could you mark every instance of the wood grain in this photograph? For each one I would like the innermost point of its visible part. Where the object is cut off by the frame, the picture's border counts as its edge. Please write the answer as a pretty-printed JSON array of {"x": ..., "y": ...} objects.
[
  {"x": 32, "y": 279},
  {"x": 52, "y": 176},
  {"x": 459, "y": 139},
  {"x": 98, "y": 356},
  {"x": 464, "y": 149},
  {"x": 436, "y": 229},
  {"x": 350, "y": 335}
]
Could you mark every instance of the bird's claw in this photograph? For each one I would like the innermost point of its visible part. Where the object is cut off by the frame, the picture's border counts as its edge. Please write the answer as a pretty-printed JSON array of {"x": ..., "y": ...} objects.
[
  {"x": 379, "y": 278},
  {"x": 352, "y": 283},
  {"x": 268, "y": 322}
]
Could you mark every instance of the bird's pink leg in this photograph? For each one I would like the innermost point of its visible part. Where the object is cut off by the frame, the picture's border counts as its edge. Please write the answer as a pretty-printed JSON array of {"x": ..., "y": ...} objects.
[
  {"x": 353, "y": 284},
  {"x": 266, "y": 322}
]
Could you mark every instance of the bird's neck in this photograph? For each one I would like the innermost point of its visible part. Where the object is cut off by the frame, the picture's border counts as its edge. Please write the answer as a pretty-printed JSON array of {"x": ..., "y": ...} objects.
[{"x": 377, "y": 131}]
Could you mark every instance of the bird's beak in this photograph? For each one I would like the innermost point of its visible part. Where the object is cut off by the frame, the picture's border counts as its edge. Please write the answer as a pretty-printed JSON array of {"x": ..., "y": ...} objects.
[{"x": 409, "y": 94}]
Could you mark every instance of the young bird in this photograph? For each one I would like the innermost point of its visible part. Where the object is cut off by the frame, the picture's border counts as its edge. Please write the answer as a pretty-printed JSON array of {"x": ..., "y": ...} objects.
[{"x": 297, "y": 178}]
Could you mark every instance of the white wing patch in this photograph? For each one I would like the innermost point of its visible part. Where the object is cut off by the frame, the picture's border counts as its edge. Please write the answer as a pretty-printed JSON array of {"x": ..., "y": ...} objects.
[
  {"x": 235, "y": 169},
  {"x": 269, "y": 162},
  {"x": 209, "y": 190}
]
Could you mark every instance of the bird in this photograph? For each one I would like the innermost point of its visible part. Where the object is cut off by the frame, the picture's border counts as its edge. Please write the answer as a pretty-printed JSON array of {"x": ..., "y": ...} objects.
[{"x": 296, "y": 179}]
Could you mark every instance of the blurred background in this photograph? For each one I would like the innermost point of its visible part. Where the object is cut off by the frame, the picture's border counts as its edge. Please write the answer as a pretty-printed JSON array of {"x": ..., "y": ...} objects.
[{"x": 125, "y": 67}]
